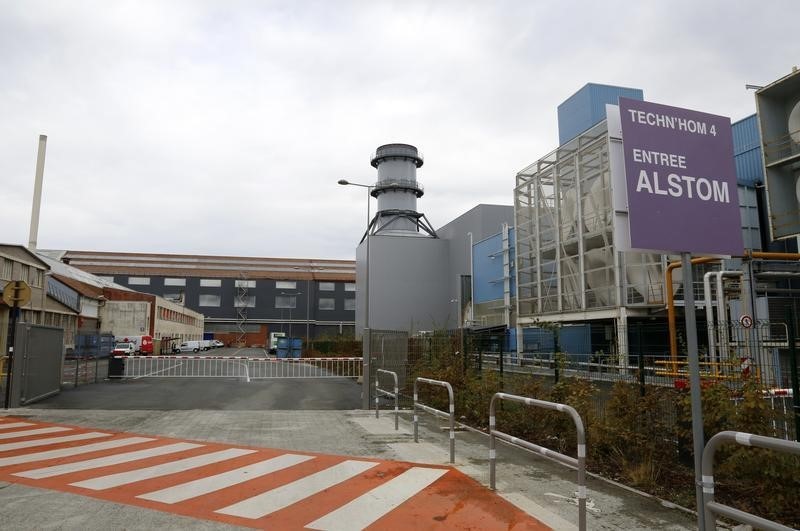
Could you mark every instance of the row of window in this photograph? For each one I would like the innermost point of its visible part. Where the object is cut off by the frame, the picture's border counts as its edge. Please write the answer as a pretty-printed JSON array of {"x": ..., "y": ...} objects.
[
  {"x": 217, "y": 283},
  {"x": 281, "y": 302},
  {"x": 166, "y": 314},
  {"x": 30, "y": 275}
]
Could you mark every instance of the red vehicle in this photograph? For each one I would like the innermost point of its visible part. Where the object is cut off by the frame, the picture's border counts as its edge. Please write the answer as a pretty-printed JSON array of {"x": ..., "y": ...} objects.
[{"x": 143, "y": 344}]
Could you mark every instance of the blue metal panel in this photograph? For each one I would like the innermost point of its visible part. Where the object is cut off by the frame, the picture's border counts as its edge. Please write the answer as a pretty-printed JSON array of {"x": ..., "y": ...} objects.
[
  {"x": 538, "y": 340},
  {"x": 747, "y": 151},
  {"x": 587, "y": 107},
  {"x": 575, "y": 339},
  {"x": 487, "y": 269}
]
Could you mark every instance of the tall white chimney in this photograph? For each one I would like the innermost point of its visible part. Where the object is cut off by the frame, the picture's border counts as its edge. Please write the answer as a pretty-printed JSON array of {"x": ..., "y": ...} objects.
[{"x": 37, "y": 193}]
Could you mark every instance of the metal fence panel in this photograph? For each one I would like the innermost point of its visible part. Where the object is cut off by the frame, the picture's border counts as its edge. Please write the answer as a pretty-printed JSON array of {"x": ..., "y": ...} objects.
[{"x": 39, "y": 357}]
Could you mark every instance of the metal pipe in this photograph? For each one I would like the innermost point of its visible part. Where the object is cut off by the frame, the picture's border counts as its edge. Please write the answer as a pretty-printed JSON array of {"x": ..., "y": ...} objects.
[
  {"x": 451, "y": 415},
  {"x": 396, "y": 394},
  {"x": 673, "y": 338},
  {"x": 709, "y": 506},
  {"x": 579, "y": 463},
  {"x": 670, "y": 298}
]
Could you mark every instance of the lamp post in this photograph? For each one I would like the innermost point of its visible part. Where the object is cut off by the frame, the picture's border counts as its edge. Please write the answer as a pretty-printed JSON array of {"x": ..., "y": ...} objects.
[
  {"x": 345, "y": 182},
  {"x": 290, "y": 309},
  {"x": 367, "y": 339},
  {"x": 310, "y": 269}
]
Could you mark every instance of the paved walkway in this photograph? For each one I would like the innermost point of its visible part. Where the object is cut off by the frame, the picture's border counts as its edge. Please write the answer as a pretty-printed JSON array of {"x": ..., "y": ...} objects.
[
  {"x": 116, "y": 488},
  {"x": 246, "y": 486}
]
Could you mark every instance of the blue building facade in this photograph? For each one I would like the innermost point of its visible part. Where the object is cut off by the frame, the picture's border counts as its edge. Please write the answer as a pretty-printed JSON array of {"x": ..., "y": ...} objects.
[{"x": 587, "y": 107}]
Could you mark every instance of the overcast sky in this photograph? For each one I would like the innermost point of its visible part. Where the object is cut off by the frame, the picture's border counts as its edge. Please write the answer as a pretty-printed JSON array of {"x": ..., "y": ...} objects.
[{"x": 222, "y": 127}]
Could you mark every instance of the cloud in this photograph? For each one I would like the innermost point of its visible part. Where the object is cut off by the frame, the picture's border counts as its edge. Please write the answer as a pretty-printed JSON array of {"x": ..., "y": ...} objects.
[{"x": 222, "y": 127}]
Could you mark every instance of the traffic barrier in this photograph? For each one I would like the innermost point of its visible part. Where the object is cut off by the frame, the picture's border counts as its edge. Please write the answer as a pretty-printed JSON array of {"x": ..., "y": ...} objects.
[
  {"x": 239, "y": 367},
  {"x": 381, "y": 392},
  {"x": 712, "y": 508},
  {"x": 579, "y": 463},
  {"x": 436, "y": 412}
]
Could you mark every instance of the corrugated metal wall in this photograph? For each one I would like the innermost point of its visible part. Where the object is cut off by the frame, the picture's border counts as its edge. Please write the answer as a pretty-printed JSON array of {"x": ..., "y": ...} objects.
[
  {"x": 587, "y": 107},
  {"x": 747, "y": 151}
]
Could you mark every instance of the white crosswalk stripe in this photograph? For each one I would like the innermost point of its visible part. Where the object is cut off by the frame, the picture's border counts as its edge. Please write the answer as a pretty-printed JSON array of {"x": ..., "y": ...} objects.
[
  {"x": 206, "y": 485},
  {"x": 124, "y": 478},
  {"x": 6, "y": 426},
  {"x": 75, "y": 450},
  {"x": 235, "y": 485},
  {"x": 276, "y": 499},
  {"x": 99, "y": 462},
  {"x": 37, "y": 431},
  {"x": 7, "y": 447},
  {"x": 381, "y": 500}
]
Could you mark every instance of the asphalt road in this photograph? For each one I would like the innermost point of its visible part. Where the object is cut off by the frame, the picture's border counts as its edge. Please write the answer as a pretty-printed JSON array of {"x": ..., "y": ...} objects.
[{"x": 229, "y": 392}]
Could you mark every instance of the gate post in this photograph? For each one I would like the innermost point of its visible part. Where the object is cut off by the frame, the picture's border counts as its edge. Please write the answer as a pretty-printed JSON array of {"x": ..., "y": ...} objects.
[{"x": 366, "y": 349}]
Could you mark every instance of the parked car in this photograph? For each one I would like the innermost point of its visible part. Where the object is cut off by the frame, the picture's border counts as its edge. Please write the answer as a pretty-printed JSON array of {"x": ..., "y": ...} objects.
[
  {"x": 124, "y": 349},
  {"x": 189, "y": 346},
  {"x": 217, "y": 343}
]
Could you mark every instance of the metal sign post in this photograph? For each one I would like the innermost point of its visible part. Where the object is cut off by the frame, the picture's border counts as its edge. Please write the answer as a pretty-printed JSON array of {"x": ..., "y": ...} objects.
[
  {"x": 679, "y": 175},
  {"x": 698, "y": 438}
]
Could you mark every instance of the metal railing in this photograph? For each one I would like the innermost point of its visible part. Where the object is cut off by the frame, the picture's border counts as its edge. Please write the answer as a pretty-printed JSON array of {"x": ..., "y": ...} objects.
[
  {"x": 579, "y": 463},
  {"x": 436, "y": 412},
  {"x": 381, "y": 392},
  {"x": 712, "y": 508},
  {"x": 238, "y": 367}
]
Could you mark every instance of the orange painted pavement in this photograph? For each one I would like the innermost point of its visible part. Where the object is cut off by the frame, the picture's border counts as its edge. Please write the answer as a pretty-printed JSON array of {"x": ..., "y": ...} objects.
[{"x": 453, "y": 501}]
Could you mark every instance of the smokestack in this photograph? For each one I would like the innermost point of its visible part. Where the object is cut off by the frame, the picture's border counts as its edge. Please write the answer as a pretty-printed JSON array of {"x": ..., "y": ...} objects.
[{"x": 37, "y": 193}]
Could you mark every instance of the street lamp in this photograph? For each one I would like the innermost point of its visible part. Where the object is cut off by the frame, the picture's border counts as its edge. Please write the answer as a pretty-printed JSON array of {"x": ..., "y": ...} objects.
[
  {"x": 310, "y": 270},
  {"x": 290, "y": 309},
  {"x": 345, "y": 182}
]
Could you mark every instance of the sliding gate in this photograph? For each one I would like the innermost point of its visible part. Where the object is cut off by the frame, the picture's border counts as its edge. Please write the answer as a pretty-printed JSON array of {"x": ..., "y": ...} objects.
[{"x": 235, "y": 367}]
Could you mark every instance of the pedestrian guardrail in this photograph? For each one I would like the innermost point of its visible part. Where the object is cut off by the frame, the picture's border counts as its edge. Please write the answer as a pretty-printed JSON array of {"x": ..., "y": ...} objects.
[
  {"x": 382, "y": 392},
  {"x": 436, "y": 412},
  {"x": 579, "y": 463},
  {"x": 712, "y": 508},
  {"x": 238, "y": 367}
]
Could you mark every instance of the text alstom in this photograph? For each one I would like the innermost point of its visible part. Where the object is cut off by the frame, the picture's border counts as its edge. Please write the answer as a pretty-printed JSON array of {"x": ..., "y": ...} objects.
[{"x": 683, "y": 186}]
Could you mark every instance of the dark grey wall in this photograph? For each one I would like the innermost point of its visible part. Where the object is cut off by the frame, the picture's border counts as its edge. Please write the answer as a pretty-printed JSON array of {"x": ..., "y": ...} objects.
[{"x": 265, "y": 292}]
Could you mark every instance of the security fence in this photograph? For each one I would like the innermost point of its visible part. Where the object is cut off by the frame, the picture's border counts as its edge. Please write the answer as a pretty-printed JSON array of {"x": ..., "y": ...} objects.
[
  {"x": 82, "y": 370},
  {"x": 757, "y": 354}
]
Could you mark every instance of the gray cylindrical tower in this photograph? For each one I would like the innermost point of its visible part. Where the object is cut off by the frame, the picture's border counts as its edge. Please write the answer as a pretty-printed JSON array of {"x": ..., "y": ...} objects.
[{"x": 397, "y": 190}]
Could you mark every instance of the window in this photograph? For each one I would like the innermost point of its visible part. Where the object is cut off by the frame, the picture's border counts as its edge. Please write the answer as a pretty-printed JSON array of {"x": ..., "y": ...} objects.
[
  {"x": 245, "y": 283},
  {"x": 248, "y": 301},
  {"x": 174, "y": 281},
  {"x": 327, "y": 304},
  {"x": 350, "y": 305},
  {"x": 210, "y": 300},
  {"x": 286, "y": 301},
  {"x": 210, "y": 283},
  {"x": 7, "y": 267},
  {"x": 35, "y": 277},
  {"x": 139, "y": 281},
  {"x": 285, "y": 284},
  {"x": 327, "y": 286},
  {"x": 350, "y": 286}
]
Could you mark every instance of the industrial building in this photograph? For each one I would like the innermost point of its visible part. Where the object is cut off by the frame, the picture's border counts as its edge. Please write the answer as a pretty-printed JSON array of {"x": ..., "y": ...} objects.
[
  {"x": 410, "y": 276},
  {"x": 242, "y": 299},
  {"x": 554, "y": 259}
]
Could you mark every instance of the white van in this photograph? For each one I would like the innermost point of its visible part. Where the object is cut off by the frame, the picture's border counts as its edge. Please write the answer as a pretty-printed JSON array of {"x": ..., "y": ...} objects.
[{"x": 189, "y": 346}]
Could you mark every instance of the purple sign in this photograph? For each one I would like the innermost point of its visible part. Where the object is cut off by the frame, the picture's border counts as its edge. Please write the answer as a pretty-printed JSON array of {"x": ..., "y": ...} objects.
[{"x": 681, "y": 180}]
